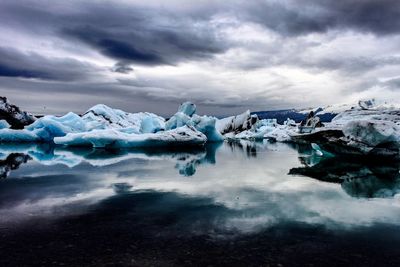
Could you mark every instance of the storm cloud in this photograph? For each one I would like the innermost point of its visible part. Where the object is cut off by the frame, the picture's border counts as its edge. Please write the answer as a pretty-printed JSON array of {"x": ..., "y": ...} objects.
[
  {"x": 225, "y": 56},
  {"x": 318, "y": 16},
  {"x": 13, "y": 63}
]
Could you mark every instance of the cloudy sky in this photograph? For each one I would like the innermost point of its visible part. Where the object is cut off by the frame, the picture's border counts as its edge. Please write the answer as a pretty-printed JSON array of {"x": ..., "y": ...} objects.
[{"x": 226, "y": 56}]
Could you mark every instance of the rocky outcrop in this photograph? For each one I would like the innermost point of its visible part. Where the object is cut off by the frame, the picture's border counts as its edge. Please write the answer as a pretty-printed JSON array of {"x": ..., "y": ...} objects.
[{"x": 17, "y": 118}]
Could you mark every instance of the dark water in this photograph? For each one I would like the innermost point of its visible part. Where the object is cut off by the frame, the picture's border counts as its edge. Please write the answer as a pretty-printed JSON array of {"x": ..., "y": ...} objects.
[{"x": 242, "y": 204}]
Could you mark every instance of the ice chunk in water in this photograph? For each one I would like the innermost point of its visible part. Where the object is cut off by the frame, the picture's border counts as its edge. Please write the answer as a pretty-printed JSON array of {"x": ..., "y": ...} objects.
[
  {"x": 111, "y": 138},
  {"x": 4, "y": 124}
]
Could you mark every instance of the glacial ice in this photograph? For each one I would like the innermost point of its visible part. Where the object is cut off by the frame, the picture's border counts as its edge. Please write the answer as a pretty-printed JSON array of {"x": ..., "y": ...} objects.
[
  {"x": 267, "y": 129},
  {"x": 45, "y": 129},
  {"x": 103, "y": 117},
  {"x": 367, "y": 134},
  {"x": 16, "y": 136},
  {"x": 187, "y": 108},
  {"x": 370, "y": 129},
  {"x": 102, "y": 126},
  {"x": 4, "y": 124},
  {"x": 206, "y": 125},
  {"x": 236, "y": 124},
  {"x": 280, "y": 134},
  {"x": 369, "y": 126},
  {"x": 186, "y": 116},
  {"x": 112, "y": 138},
  {"x": 48, "y": 127}
]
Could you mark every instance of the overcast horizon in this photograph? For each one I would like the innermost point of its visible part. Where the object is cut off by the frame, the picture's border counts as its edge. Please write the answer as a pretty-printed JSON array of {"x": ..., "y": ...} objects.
[{"x": 225, "y": 56}]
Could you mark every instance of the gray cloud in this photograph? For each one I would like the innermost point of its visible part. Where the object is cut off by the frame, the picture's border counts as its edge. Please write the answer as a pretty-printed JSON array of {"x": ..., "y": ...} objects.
[
  {"x": 122, "y": 68},
  {"x": 223, "y": 56},
  {"x": 123, "y": 32},
  {"x": 317, "y": 16},
  {"x": 14, "y": 63}
]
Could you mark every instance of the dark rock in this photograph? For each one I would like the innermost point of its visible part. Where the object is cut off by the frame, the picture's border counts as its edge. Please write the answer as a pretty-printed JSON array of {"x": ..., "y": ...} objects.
[{"x": 13, "y": 115}]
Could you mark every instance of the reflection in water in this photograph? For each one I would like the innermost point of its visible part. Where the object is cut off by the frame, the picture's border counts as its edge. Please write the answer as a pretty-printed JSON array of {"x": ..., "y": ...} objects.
[
  {"x": 236, "y": 190},
  {"x": 248, "y": 147},
  {"x": 186, "y": 161},
  {"x": 248, "y": 179},
  {"x": 12, "y": 162},
  {"x": 358, "y": 178}
]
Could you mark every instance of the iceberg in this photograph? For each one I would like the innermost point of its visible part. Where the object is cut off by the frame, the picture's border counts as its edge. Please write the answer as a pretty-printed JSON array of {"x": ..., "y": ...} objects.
[
  {"x": 187, "y": 108},
  {"x": 111, "y": 138},
  {"x": 206, "y": 125},
  {"x": 103, "y": 117},
  {"x": 18, "y": 136},
  {"x": 4, "y": 124},
  {"x": 48, "y": 127},
  {"x": 45, "y": 129},
  {"x": 186, "y": 116},
  {"x": 102, "y": 126},
  {"x": 370, "y": 130},
  {"x": 269, "y": 129},
  {"x": 236, "y": 124},
  {"x": 279, "y": 134}
]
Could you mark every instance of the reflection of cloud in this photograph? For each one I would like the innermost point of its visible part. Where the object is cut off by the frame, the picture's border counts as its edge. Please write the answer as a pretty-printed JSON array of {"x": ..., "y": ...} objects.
[{"x": 237, "y": 193}]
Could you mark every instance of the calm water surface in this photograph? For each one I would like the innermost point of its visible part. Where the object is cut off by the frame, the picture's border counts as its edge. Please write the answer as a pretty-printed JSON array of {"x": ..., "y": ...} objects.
[{"x": 253, "y": 204}]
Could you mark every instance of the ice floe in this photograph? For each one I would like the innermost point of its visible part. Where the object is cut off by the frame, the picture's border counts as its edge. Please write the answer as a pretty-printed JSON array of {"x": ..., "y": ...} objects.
[
  {"x": 371, "y": 128},
  {"x": 111, "y": 138},
  {"x": 186, "y": 116}
]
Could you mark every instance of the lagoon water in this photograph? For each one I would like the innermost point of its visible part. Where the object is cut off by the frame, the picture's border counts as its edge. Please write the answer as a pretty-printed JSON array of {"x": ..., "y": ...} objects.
[{"x": 230, "y": 204}]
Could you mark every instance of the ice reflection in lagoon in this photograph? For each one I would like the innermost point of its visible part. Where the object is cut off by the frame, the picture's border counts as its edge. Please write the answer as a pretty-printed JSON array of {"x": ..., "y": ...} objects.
[{"x": 224, "y": 190}]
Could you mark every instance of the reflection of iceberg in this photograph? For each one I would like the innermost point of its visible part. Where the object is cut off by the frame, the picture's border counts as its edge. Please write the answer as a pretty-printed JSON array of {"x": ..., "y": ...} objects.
[
  {"x": 187, "y": 164},
  {"x": 357, "y": 178},
  {"x": 248, "y": 147},
  {"x": 12, "y": 162},
  {"x": 186, "y": 160},
  {"x": 241, "y": 193},
  {"x": 252, "y": 148}
]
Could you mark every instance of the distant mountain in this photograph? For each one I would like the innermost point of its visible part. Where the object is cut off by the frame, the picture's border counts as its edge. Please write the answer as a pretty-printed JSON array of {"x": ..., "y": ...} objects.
[{"x": 326, "y": 114}]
